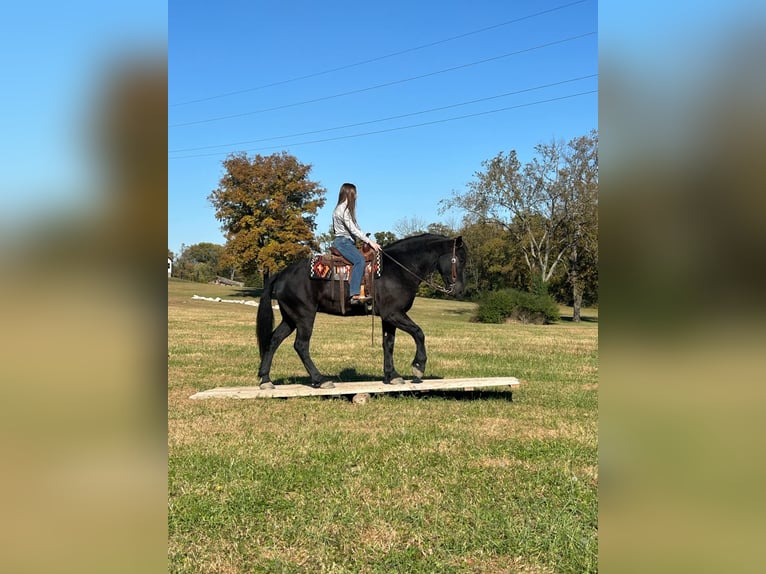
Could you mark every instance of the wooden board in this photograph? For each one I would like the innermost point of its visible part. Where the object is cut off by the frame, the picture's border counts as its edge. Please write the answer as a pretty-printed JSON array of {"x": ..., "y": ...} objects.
[{"x": 371, "y": 387}]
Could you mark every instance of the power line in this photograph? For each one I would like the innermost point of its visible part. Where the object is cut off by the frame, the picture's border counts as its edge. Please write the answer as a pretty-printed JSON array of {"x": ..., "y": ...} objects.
[
  {"x": 411, "y": 126},
  {"x": 378, "y": 58},
  {"x": 389, "y": 118},
  {"x": 386, "y": 84}
]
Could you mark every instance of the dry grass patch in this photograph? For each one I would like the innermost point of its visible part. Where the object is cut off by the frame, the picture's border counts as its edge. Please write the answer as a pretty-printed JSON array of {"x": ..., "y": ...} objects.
[
  {"x": 590, "y": 472},
  {"x": 297, "y": 556},
  {"x": 535, "y": 426},
  {"x": 504, "y": 463},
  {"x": 501, "y": 565},
  {"x": 215, "y": 557},
  {"x": 380, "y": 536}
]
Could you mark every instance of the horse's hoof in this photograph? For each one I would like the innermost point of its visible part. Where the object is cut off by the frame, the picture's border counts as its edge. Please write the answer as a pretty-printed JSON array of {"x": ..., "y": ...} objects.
[
  {"x": 396, "y": 381},
  {"x": 417, "y": 373},
  {"x": 325, "y": 385},
  {"x": 266, "y": 386}
]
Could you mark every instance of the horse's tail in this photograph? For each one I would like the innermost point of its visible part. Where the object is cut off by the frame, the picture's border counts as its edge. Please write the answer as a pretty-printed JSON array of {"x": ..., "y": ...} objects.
[{"x": 264, "y": 323}]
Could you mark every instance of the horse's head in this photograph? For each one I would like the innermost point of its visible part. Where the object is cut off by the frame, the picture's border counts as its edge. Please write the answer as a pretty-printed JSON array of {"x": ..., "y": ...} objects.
[{"x": 452, "y": 266}]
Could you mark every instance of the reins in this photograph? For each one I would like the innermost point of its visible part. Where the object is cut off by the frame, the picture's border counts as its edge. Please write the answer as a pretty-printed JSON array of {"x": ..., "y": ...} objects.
[{"x": 431, "y": 284}]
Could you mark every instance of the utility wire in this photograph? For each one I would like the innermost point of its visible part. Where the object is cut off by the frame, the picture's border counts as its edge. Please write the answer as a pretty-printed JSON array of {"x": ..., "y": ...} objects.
[
  {"x": 389, "y": 118},
  {"x": 378, "y": 58},
  {"x": 411, "y": 126},
  {"x": 401, "y": 81}
]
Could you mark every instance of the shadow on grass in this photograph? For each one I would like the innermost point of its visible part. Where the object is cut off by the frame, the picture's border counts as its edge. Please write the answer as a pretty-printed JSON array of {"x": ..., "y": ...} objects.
[
  {"x": 582, "y": 319},
  {"x": 253, "y": 292},
  {"x": 458, "y": 311},
  {"x": 462, "y": 395},
  {"x": 345, "y": 376},
  {"x": 352, "y": 376}
]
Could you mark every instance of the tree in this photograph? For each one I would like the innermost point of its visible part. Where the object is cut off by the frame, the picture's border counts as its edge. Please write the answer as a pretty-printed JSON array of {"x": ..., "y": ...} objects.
[
  {"x": 200, "y": 262},
  {"x": 384, "y": 238},
  {"x": 409, "y": 226},
  {"x": 547, "y": 206},
  {"x": 494, "y": 262},
  {"x": 325, "y": 240},
  {"x": 267, "y": 206},
  {"x": 523, "y": 200},
  {"x": 447, "y": 228},
  {"x": 580, "y": 175}
]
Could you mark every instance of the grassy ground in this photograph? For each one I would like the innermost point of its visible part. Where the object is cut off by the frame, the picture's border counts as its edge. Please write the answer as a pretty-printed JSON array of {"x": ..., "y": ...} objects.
[{"x": 490, "y": 482}]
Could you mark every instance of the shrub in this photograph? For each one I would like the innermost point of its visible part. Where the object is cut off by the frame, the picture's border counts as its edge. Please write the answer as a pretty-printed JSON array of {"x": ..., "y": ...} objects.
[
  {"x": 494, "y": 307},
  {"x": 498, "y": 306}
]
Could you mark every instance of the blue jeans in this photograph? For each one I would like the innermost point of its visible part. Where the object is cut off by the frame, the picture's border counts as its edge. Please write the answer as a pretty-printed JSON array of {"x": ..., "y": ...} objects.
[{"x": 350, "y": 252}]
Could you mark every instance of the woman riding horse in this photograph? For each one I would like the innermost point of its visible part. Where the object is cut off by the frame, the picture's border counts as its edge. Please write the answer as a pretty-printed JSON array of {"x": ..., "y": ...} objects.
[{"x": 408, "y": 262}]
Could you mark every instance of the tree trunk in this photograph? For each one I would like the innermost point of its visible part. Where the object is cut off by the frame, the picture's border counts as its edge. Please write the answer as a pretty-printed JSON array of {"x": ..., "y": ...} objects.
[
  {"x": 574, "y": 281},
  {"x": 577, "y": 302}
]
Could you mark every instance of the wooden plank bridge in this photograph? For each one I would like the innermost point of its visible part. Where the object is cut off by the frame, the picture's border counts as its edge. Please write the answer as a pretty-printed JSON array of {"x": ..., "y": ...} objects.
[{"x": 361, "y": 391}]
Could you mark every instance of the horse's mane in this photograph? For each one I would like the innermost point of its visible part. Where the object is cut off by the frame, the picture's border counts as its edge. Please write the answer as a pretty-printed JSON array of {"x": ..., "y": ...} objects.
[{"x": 412, "y": 242}]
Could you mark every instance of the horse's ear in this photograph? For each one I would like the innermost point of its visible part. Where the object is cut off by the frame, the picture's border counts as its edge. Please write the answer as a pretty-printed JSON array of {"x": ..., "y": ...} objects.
[{"x": 459, "y": 241}]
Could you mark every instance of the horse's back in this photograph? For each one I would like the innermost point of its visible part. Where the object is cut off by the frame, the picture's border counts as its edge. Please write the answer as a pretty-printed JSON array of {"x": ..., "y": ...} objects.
[{"x": 294, "y": 287}]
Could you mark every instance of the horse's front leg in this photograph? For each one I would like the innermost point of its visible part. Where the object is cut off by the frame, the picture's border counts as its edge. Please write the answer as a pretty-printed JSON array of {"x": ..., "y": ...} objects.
[
  {"x": 390, "y": 376},
  {"x": 419, "y": 362},
  {"x": 403, "y": 322}
]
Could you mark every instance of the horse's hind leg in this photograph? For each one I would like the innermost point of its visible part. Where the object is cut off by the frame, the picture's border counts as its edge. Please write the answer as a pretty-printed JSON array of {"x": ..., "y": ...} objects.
[{"x": 280, "y": 334}]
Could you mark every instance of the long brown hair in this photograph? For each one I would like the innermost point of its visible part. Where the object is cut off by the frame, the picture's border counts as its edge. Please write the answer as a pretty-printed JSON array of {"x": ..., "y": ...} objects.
[{"x": 348, "y": 194}]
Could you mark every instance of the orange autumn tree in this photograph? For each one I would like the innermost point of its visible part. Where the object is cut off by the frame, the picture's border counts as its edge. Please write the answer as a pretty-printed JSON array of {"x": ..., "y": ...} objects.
[{"x": 267, "y": 206}]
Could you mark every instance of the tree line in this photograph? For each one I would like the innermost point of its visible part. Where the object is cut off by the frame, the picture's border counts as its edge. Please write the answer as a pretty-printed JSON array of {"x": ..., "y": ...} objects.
[{"x": 529, "y": 226}]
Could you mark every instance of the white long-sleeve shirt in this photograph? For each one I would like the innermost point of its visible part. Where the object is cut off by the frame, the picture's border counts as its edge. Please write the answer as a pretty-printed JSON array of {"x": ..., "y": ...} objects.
[{"x": 343, "y": 225}]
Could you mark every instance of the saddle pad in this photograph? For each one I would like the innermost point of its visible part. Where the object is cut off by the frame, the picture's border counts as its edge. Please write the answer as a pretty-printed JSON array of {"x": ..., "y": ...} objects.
[{"x": 322, "y": 267}]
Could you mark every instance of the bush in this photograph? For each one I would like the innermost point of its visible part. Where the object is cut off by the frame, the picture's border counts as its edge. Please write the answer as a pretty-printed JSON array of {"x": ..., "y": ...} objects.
[
  {"x": 495, "y": 307},
  {"x": 499, "y": 306}
]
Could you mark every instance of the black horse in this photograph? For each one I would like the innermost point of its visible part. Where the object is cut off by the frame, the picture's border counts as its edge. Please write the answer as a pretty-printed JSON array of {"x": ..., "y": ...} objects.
[{"x": 405, "y": 264}]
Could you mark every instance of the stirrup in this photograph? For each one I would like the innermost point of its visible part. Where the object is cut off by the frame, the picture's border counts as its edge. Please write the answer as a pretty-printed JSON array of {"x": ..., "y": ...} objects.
[{"x": 359, "y": 299}]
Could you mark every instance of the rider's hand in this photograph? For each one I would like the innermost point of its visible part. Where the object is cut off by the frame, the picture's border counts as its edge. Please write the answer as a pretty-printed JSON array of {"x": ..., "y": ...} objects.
[{"x": 375, "y": 245}]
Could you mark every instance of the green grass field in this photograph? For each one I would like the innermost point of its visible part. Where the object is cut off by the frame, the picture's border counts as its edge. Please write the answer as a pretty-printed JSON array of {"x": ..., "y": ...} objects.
[{"x": 487, "y": 482}]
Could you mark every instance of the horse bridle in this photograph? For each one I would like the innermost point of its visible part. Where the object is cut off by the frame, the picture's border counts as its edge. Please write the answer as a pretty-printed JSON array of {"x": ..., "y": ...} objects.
[
  {"x": 454, "y": 264},
  {"x": 431, "y": 284}
]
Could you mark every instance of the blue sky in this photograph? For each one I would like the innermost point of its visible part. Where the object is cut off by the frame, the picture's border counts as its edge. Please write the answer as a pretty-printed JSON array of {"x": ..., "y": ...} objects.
[
  {"x": 432, "y": 62},
  {"x": 55, "y": 59}
]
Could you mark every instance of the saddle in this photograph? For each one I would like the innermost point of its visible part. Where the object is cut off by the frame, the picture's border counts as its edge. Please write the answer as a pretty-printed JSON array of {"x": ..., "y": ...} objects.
[{"x": 333, "y": 266}]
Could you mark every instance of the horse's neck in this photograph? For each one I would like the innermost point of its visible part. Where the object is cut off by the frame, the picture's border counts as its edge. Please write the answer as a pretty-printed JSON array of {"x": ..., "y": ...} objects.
[{"x": 421, "y": 260}]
